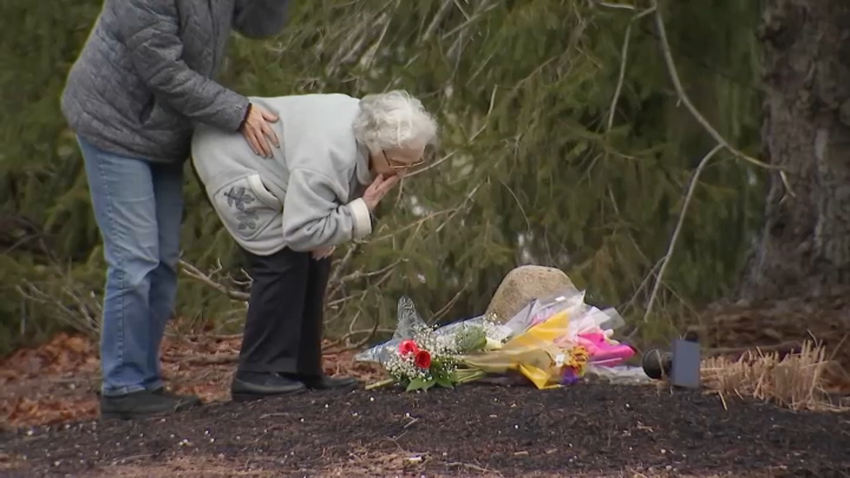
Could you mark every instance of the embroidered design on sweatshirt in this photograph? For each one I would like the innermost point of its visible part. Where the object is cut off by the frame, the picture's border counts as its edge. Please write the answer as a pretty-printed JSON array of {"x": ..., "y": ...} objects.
[{"x": 238, "y": 198}]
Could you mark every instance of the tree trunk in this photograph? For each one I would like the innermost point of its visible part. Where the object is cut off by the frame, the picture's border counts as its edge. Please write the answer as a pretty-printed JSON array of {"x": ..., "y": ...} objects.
[{"x": 804, "y": 248}]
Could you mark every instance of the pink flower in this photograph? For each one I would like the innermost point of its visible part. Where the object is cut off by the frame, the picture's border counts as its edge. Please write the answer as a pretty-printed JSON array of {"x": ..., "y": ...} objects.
[
  {"x": 422, "y": 359},
  {"x": 407, "y": 347}
]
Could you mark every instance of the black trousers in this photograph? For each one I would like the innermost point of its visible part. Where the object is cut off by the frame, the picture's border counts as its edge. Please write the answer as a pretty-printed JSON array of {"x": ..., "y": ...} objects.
[{"x": 283, "y": 330}]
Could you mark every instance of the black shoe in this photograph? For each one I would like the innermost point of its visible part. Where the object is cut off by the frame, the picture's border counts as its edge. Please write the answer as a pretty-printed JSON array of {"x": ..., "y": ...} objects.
[
  {"x": 324, "y": 382},
  {"x": 256, "y": 385},
  {"x": 142, "y": 404},
  {"x": 162, "y": 391}
]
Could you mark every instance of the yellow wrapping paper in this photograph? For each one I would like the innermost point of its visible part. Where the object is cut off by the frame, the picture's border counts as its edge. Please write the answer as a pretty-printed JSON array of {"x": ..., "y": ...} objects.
[{"x": 533, "y": 353}]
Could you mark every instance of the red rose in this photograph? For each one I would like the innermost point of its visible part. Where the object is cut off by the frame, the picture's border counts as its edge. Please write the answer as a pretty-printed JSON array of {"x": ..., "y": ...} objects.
[
  {"x": 422, "y": 359},
  {"x": 407, "y": 347}
]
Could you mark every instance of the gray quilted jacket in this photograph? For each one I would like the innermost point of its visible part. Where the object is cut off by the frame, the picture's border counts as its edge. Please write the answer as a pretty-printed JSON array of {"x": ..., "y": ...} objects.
[{"x": 145, "y": 76}]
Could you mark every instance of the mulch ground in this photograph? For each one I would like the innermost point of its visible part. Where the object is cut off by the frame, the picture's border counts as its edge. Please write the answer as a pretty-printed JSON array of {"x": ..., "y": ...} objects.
[
  {"x": 475, "y": 430},
  {"x": 471, "y": 430}
]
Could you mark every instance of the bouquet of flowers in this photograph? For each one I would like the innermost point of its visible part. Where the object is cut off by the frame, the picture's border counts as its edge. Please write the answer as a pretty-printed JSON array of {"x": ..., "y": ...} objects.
[
  {"x": 552, "y": 342},
  {"x": 421, "y": 357}
]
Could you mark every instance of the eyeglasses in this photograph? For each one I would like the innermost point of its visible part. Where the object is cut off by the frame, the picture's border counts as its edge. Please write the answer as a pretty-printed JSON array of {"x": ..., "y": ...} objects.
[{"x": 400, "y": 165}]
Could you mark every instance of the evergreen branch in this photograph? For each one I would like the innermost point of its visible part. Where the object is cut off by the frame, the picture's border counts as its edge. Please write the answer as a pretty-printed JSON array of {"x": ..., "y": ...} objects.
[
  {"x": 682, "y": 95},
  {"x": 685, "y": 99},
  {"x": 674, "y": 238},
  {"x": 460, "y": 207},
  {"x": 722, "y": 143}
]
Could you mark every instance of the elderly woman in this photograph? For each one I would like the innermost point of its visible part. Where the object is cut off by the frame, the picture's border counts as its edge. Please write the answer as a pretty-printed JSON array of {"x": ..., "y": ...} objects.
[
  {"x": 339, "y": 156},
  {"x": 134, "y": 96}
]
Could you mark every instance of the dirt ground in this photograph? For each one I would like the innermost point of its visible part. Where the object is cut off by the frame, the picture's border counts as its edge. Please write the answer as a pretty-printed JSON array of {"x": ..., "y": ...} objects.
[{"x": 50, "y": 428}]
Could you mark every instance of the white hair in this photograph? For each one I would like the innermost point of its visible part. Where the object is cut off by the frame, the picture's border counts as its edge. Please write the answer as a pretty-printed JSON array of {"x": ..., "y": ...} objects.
[{"x": 393, "y": 120}]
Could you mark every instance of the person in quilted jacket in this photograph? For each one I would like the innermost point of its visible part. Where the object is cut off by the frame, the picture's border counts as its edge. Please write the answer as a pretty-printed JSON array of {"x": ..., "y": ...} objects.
[{"x": 142, "y": 83}]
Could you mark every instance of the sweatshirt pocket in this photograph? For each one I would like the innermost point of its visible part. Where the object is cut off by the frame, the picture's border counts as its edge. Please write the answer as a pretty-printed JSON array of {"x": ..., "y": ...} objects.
[{"x": 246, "y": 207}]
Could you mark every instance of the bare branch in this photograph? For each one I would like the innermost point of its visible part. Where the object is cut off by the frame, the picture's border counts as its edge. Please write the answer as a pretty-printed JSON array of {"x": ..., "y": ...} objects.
[
  {"x": 623, "y": 61},
  {"x": 83, "y": 316},
  {"x": 369, "y": 335},
  {"x": 621, "y": 6},
  {"x": 691, "y": 188},
  {"x": 343, "y": 262},
  {"x": 446, "y": 308},
  {"x": 438, "y": 18},
  {"x": 413, "y": 224},
  {"x": 362, "y": 275},
  {"x": 430, "y": 166},
  {"x": 196, "y": 274}
]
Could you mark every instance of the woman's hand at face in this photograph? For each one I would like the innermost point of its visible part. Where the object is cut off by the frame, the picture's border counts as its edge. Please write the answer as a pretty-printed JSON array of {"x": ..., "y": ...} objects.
[
  {"x": 378, "y": 189},
  {"x": 258, "y": 131}
]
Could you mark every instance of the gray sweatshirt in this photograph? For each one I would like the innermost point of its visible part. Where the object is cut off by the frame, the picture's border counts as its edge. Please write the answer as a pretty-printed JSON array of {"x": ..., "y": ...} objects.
[{"x": 308, "y": 196}]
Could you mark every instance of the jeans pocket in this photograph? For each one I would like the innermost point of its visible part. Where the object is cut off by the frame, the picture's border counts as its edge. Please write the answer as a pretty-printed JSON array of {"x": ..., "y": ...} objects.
[{"x": 246, "y": 207}]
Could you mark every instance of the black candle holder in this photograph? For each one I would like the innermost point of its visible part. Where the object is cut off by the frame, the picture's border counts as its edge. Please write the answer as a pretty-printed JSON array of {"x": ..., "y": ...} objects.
[
  {"x": 681, "y": 365},
  {"x": 657, "y": 364}
]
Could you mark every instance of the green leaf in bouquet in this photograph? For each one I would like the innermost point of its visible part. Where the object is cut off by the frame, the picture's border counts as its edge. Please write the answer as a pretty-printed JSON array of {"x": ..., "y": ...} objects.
[
  {"x": 466, "y": 375},
  {"x": 420, "y": 384},
  {"x": 445, "y": 382},
  {"x": 470, "y": 339},
  {"x": 382, "y": 383}
]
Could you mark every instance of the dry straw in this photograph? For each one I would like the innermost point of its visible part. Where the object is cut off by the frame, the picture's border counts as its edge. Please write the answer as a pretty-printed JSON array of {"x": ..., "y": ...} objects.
[{"x": 796, "y": 380}]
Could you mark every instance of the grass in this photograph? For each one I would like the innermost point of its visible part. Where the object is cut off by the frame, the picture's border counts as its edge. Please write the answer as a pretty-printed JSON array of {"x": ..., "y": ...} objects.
[{"x": 798, "y": 381}]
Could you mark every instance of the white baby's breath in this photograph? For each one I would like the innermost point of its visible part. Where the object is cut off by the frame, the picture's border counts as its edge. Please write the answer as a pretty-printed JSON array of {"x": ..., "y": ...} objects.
[{"x": 441, "y": 349}]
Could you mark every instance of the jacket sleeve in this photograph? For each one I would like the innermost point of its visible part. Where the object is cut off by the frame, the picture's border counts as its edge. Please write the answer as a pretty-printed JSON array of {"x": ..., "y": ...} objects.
[
  {"x": 313, "y": 217},
  {"x": 260, "y": 18},
  {"x": 149, "y": 29}
]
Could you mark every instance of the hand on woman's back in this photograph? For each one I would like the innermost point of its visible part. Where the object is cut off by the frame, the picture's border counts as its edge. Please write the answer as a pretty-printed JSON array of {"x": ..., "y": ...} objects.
[{"x": 258, "y": 131}]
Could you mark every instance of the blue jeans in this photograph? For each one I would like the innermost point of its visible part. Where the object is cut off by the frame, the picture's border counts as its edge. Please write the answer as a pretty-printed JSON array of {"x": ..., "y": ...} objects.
[{"x": 138, "y": 206}]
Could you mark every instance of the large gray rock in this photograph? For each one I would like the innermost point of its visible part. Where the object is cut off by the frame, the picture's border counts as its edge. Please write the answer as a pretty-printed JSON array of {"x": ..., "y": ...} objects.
[{"x": 524, "y": 284}]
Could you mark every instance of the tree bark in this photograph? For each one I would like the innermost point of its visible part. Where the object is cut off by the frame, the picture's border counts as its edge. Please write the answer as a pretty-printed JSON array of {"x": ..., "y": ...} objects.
[{"x": 804, "y": 248}]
